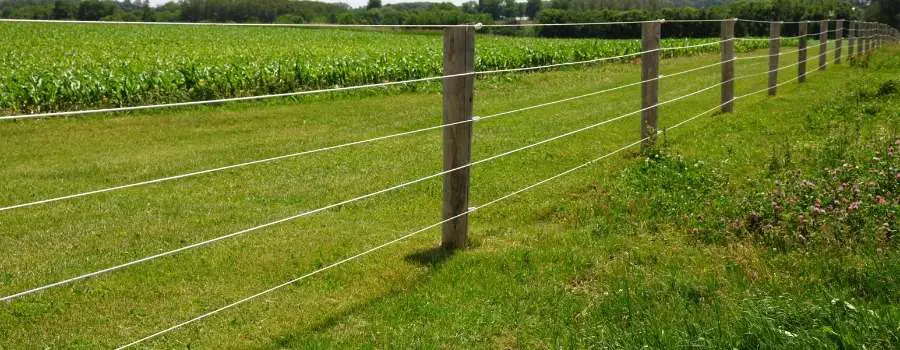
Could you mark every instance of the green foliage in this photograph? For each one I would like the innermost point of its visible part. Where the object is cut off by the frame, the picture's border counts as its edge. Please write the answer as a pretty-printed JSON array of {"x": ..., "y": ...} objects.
[
  {"x": 104, "y": 66},
  {"x": 845, "y": 200}
]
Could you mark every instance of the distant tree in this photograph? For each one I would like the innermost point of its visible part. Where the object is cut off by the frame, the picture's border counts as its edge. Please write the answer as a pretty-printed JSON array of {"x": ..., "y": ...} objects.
[
  {"x": 374, "y": 4},
  {"x": 491, "y": 7},
  {"x": 532, "y": 8},
  {"x": 470, "y": 7},
  {"x": 64, "y": 9},
  {"x": 885, "y": 11},
  {"x": 95, "y": 10}
]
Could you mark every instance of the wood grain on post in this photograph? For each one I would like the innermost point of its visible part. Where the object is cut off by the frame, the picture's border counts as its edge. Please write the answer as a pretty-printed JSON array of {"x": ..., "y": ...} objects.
[
  {"x": 459, "y": 57},
  {"x": 774, "y": 53},
  {"x": 878, "y": 33},
  {"x": 801, "y": 56},
  {"x": 838, "y": 40},
  {"x": 851, "y": 39},
  {"x": 823, "y": 44},
  {"x": 868, "y": 46},
  {"x": 862, "y": 29},
  {"x": 873, "y": 41},
  {"x": 728, "y": 65},
  {"x": 650, "y": 35},
  {"x": 860, "y": 33}
]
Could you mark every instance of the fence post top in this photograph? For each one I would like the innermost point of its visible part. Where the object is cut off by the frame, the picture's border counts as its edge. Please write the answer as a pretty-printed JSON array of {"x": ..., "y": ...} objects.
[
  {"x": 478, "y": 26},
  {"x": 661, "y": 20}
]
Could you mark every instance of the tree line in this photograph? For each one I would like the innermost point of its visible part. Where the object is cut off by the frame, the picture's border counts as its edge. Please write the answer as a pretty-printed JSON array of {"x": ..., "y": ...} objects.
[{"x": 484, "y": 11}]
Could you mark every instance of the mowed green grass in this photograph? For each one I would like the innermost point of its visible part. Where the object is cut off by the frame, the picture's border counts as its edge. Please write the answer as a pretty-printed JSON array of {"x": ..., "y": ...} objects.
[{"x": 520, "y": 285}]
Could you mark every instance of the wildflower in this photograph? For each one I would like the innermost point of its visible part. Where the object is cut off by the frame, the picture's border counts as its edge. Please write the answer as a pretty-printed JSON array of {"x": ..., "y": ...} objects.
[
  {"x": 853, "y": 206},
  {"x": 817, "y": 208},
  {"x": 789, "y": 334},
  {"x": 880, "y": 200}
]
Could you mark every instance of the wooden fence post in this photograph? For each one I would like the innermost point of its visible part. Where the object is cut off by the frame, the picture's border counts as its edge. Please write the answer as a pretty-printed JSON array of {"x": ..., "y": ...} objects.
[
  {"x": 871, "y": 38},
  {"x": 851, "y": 38},
  {"x": 874, "y": 36},
  {"x": 868, "y": 38},
  {"x": 838, "y": 40},
  {"x": 727, "y": 49},
  {"x": 459, "y": 58},
  {"x": 650, "y": 36},
  {"x": 801, "y": 57},
  {"x": 860, "y": 38},
  {"x": 878, "y": 38},
  {"x": 823, "y": 44},
  {"x": 774, "y": 51}
]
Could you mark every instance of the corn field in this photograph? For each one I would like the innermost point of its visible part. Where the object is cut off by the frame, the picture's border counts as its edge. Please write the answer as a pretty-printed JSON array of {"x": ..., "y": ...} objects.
[{"x": 55, "y": 67}]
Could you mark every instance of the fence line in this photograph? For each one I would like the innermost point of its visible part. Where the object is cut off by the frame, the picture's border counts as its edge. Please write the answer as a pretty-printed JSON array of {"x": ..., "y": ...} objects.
[
  {"x": 401, "y": 238},
  {"x": 335, "y": 147},
  {"x": 784, "y": 67},
  {"x": 726, "y": 82},
  {"x": 338, "y": 204},
  {"x": 728, "y": 99},
  {"x": 426, "y": 228}
]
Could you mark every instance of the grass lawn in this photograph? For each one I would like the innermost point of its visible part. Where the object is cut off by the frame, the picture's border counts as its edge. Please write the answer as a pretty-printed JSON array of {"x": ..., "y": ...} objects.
[{"x": 611, "y": 256}]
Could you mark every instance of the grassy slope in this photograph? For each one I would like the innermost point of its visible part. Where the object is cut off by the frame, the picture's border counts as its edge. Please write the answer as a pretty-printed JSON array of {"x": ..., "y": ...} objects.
[{"x": 540, "y": 274}]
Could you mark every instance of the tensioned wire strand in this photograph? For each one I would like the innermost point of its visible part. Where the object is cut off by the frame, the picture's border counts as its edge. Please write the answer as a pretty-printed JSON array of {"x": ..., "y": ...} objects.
[
  {"x": 219, "y": 24},
  {"x": 345, "y": 202},
  {"x": 810, "y": 58},
  {"x": 815, "y": 44},
  {"x": 323, "y": 149},
  {"x": 341, "y": 89},
  {"x": 785, "y": 22},
  {"x": 338, "y": 25},
  {"x": 426, "y": 228},
  {"x": 321, "y": 91},
  {"x": 401, "y": 238}
]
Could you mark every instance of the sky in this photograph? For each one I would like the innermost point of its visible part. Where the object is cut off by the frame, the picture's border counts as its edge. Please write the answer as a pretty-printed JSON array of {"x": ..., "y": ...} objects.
[{"x": 354, "y": 3}]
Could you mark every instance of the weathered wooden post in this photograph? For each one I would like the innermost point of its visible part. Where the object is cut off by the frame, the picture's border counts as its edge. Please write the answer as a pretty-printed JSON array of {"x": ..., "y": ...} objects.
[
  {"x": 727, "y": 48},
  {"x": 878, "y": 33},
  {"x": 650, "y": 36},
  {"x": 851, "y": 39},
  {"x": 868, "y": 39},
  {"x": 459, "y": 58},
  {"x": 823, "y": 44},
  {"x": 838, "y": 40},
  {"x": 774, "y": 53},
  {"x": 860, "y": 38},
  {"x": 801, "y": 56}
]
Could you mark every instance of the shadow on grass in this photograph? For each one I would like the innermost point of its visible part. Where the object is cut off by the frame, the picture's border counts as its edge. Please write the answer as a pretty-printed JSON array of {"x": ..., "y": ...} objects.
[{"x": 431, "y": 257}]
